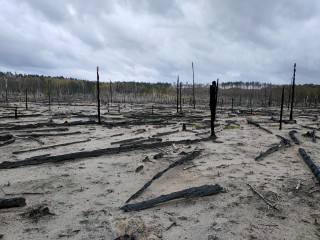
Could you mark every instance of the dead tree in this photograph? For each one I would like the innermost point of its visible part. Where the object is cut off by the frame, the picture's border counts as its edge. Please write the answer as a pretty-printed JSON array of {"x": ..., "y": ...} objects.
[
  {"x": 110, "y": 89},
  {"x": 178, "y": 94},
  {"x": 293, "y": 87},
  {"x": 194, "y": 96},
  {"x": 281, "y": 111},
  {"x": 98, "y": 96},
  {"x": 180, "y": 97},
  {"x": 26, "y": 99}
]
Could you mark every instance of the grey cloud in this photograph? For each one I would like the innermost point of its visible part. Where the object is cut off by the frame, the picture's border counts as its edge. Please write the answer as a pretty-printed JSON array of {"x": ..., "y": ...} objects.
[{"x": 157, "y": 40}]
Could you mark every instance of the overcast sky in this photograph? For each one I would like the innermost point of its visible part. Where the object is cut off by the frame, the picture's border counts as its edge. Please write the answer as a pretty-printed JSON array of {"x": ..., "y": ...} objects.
[{"x": 154, "y": 41}]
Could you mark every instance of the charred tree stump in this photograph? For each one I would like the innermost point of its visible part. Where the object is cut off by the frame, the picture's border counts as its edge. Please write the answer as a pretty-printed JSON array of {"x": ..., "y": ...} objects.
[
  {"x": 314, "y": 136},
  {"x": 213, "y": 106},
  {"x": 311, "y": 135},
  {"x": 281, "y": 110},
  {"x": 12, "y": 202},
  {"x": 314, "y": 169},
  {"x": 201, "y": 191},
  {"x": 182, "y": 160},
  {"x": 293, "y": 87},
  {"x": 293, "y": 137}
]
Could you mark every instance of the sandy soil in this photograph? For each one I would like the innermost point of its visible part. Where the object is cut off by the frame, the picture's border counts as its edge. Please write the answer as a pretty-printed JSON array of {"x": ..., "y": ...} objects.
[{"x": 84, "y": 196}]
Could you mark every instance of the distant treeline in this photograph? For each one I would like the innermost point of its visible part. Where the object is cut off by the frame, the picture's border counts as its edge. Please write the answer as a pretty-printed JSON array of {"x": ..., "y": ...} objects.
[{"x": 59, "y": 89}]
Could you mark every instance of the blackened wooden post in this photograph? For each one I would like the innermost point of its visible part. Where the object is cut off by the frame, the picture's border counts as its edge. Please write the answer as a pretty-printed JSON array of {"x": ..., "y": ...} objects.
[
  {"x": 281, "y": 111},
  {"x": 119, "y": 108},
  {"x": 217, "y": 95},
  {"x": 16, "y": 113},
  {"x": 152, "y": 110},
  {"x": 49, "y": 93},
  {"x": 289, "y": 97},
  {"x": 178, "y": 94},
  {"x": 6, "y": 90},
  {"x": 26, "y": 98},
  {"x": 231, "y": 104},
  {"x": 213, "y": 106},
  {"x": 98, "y": 96},
  {"x": 180, "y": 97},
  {"x": 194, "y": 96},
  {"x": 110, "y": 89},
  {"x": 293, "y": 86}
]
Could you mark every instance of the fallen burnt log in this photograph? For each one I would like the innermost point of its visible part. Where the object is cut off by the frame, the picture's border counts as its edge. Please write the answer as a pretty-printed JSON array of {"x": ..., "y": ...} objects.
[
  {"x": 51, "y": 146},
  {"x": 283, "y": 120},
  {"x": 293, "y": 137},
  {"x": 36, "y": 135},
  {"x": 250, "y": 121},
  {"x": 182, "y": 160},
  {"x": 201, "y": 191},
  {"x": 6, "y": 139},
  {"x": 126, "y": 140},
  {"x": 135, "y": 123},
  {"x": 22, "y": 115},
  {"x": 314, "y": 169},
  {"x": 165, "y": 133},
  {"x": 141, "y": 141},
  {"x": 12, "y": 202},
  {"x": 47, "y": 130},
  {"x": 275, "y": 147},
  {"x": 308, "y": 127},
  {"x": 94, "y": 153},
  {"x": 7, "y": 142},
  {"x": 48, "y": 124}
]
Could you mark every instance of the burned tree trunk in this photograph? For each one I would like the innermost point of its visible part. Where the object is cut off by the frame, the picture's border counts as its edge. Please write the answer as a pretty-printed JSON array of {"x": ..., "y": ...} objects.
[
  {"x": 293, "y": 137},
  {"x": 98, "y": 96},
  {"x": 213, "y": 106},
  {"x": 293, "y": 87},
  {"x": 314, "y": 169},
  {"x": 12, "y": 202},
  {"x": 193, "y": 93},
  {"x": 178, "y": 94},
  {"x": 201, "y": 191},
  {"x": 184, "y": 159},
  {"x": 281, "y": 110},
  {"x": 94, "y": 153},
  {"x": 26, "y": 99}
]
